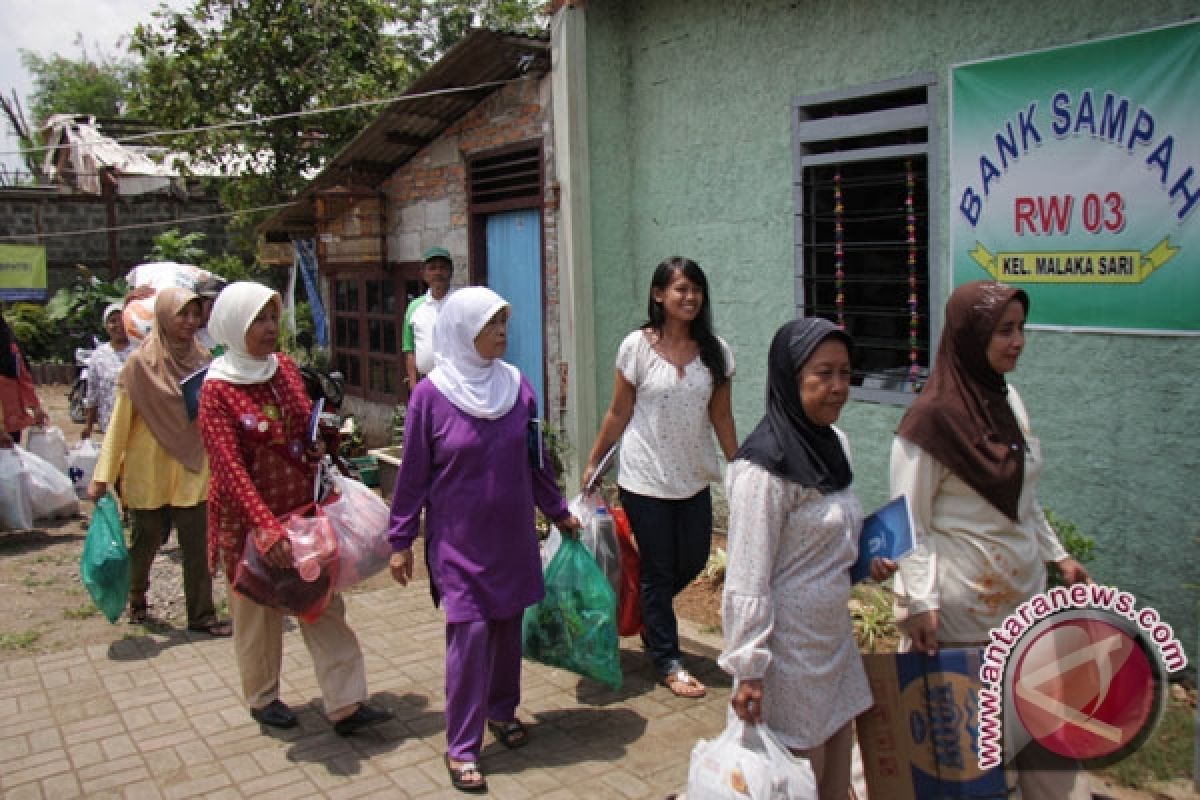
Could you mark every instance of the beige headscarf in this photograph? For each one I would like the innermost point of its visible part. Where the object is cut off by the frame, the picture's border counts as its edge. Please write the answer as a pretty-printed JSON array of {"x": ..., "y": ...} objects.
[{"x": 152, "y": 374}]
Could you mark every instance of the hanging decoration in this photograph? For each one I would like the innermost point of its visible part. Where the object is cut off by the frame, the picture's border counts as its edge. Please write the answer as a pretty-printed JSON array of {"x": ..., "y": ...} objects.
[
  {"x": 910, "y": 223},
  {"x": 839, "y": 249}
]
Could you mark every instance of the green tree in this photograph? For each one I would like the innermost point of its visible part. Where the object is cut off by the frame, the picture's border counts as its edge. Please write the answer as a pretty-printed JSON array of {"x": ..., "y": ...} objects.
[
  {"x": 85, "y": 85},
  {"x": 242, "y": 60}
]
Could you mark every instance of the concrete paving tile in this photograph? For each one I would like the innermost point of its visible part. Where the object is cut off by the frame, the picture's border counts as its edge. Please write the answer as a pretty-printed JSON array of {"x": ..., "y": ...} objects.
[
  {"x": 33, "y": 767},
  {"x": 62, "y": 787},
  {"x": 27, "y": 791},
  {"x": 142, "y": 790}
]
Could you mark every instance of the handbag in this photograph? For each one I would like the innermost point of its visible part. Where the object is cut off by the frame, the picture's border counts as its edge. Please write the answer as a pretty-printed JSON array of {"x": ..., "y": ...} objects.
[{"x": 305, "y": 588}]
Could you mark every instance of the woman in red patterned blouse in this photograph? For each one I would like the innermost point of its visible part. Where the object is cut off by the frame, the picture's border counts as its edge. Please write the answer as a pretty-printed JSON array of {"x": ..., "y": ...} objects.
[{"x": 254, "y": 416}]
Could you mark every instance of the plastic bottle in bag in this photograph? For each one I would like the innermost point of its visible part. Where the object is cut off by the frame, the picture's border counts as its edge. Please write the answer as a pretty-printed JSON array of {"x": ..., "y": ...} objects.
[{"x": 602, "y": 541}]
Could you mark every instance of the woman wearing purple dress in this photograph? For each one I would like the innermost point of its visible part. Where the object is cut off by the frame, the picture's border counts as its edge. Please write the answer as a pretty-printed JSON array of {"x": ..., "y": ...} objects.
[{"x": 471, "y": 466}]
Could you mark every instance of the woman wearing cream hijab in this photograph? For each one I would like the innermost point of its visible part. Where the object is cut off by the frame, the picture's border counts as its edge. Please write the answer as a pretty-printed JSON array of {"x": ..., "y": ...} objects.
[{"x": 153, "y": 449}]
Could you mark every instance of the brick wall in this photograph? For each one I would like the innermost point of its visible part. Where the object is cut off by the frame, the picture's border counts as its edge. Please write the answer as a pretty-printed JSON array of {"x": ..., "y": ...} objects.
[{"x": 23, "y": 211}]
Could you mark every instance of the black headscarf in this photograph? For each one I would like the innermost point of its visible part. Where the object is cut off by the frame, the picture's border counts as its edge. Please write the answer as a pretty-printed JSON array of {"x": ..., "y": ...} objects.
[
  {"x": 786, "y": 443},
  {"x": 8, "y": 354}
]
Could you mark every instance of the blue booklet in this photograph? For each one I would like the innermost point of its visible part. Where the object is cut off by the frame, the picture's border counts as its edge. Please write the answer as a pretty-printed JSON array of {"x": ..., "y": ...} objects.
[
  {"x": 887, "y": 533},
  {"x": 314, "y": 421},
  {"x": 191, "y": 391}
]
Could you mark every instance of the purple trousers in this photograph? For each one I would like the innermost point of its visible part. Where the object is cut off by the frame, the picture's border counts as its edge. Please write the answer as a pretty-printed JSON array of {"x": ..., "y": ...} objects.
[{"x": 483, "y": 680}]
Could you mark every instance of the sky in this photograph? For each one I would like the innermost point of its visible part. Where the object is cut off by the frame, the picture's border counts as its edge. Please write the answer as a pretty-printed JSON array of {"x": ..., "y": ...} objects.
[{"x": 49, "y": 27}]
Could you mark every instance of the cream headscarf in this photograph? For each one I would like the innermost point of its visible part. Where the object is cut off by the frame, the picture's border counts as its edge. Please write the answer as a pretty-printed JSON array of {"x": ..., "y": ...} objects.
[
  {"x": 152, "y": 374},
  {"x": 482, "y": 387},
  {"x": 235, "y": 308}
]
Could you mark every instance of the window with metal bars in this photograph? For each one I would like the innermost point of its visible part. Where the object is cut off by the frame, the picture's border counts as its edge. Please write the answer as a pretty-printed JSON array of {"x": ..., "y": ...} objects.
[{"x": 863, "y": 228}]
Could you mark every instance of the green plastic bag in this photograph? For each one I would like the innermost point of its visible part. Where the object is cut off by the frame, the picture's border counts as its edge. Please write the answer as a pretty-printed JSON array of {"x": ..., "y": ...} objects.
[
  {"x": 104, "y": 565},
  {"x": 575, "y": 626}
]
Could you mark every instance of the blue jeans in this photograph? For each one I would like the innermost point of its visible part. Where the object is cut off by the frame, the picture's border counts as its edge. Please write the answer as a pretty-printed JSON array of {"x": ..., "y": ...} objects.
[{"x": 673, "y": 538}]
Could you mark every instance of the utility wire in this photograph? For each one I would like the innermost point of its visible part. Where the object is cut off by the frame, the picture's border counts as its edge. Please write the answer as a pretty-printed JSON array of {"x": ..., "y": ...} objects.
[{"x": 274, "y": 117}]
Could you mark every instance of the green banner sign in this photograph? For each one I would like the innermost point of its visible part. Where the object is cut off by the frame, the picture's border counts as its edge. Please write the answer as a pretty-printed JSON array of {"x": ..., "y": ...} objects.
[
  {"x": 1075, "y": 174},
  {"x": 22, "y": 272}
]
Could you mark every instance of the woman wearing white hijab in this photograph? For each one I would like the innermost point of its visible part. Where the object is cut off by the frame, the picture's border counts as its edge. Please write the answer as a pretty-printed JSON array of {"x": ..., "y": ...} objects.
[
  {"x": 254, "y": 415},
  {"x": 471, "y": 466}
]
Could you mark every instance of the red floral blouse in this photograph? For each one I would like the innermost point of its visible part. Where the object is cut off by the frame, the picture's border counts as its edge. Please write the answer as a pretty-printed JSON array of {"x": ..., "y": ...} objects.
[{"x": 255, "y": 438}]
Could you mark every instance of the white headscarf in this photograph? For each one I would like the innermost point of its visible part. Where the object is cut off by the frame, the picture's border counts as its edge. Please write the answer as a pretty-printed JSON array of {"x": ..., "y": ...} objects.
[
  {"x": 235, "y": 308},
  {"x": 482, "y": 387}
]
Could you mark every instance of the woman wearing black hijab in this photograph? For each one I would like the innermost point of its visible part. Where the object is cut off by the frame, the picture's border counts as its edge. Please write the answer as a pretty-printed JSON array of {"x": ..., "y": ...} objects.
[
  {"x": 794, "y": 525},
  {"x": 19, "y": 404}
]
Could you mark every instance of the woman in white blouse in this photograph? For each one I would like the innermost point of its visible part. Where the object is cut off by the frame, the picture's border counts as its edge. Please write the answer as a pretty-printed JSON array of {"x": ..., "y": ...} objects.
[
  {"x": 966, "y": 457},
  {"x": 671, "y": 393},
  {"x": 794, "y": 524}
]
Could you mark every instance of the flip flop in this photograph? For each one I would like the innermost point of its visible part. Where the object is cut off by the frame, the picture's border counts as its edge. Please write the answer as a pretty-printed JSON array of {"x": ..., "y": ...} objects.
[
  {"x": 458, "y": 776},
  {"x": 682, "y": 684},
  {"x": 512, "y": 734}
]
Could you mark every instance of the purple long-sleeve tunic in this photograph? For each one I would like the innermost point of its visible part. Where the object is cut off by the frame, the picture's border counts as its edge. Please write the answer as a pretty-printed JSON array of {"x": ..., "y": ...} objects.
[{"x": 478, "y": 484}]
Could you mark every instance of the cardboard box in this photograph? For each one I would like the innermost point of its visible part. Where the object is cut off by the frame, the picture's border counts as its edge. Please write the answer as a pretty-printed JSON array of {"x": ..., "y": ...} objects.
[{"x": 920, "y": 740}]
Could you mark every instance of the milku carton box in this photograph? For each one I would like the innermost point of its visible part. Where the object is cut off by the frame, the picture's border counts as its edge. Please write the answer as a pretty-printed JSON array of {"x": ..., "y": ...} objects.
[{"x": 920, "y": 740}]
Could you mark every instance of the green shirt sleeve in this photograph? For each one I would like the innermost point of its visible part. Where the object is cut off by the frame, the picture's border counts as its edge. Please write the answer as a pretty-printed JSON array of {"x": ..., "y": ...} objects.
[{"x": 407, "y": 345}]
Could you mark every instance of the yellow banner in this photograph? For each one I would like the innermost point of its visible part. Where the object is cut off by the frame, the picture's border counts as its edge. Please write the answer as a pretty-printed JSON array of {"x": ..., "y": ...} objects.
[{"x": 1074, "y": 266}]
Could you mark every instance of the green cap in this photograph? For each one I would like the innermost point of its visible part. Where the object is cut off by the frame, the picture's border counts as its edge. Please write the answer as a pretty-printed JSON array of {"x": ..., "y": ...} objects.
[{"x": 437, "y": 252}]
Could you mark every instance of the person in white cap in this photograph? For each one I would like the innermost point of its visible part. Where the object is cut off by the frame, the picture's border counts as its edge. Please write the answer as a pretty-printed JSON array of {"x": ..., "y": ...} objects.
[{"x": 102, "y": 368}]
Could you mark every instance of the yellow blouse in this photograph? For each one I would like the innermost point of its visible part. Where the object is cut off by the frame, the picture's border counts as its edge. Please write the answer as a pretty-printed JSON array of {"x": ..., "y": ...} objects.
[{"x": 150, "y": 476}]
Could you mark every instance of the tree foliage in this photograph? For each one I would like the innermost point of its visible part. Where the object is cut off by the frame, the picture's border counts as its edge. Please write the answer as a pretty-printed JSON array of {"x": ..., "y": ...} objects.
[
  {"x": 242, "y": 60},
  {"x": 85, "y": 85}
]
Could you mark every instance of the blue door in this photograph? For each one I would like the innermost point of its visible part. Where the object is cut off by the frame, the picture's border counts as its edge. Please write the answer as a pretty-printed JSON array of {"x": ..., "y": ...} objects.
[{"x": 514, "y": 270}]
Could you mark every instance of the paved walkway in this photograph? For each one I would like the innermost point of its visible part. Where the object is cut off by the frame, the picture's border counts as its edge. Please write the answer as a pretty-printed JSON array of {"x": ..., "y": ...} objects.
[{"x": 161, "y": 716}]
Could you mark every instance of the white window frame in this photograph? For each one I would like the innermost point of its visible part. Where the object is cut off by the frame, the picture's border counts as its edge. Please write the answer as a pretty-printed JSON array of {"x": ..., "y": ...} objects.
[{"x": 807, "y": 131}]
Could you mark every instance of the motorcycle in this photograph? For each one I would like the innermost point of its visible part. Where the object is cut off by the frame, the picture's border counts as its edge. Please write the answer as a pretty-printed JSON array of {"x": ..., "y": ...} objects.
[{"x": 78, "y": 391}]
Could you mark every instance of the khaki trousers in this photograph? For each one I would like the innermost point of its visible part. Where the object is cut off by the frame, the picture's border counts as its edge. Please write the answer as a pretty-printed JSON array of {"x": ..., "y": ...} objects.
[{"x": 333, "y": 647}]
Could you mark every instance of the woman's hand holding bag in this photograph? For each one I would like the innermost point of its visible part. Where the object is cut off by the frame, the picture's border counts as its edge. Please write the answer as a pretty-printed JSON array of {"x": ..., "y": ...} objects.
[{"x": 305, "y": 586}]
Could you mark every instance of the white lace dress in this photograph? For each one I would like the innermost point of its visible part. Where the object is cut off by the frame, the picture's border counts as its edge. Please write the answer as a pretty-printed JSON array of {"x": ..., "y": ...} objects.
[{"x": 785, "y": 617}]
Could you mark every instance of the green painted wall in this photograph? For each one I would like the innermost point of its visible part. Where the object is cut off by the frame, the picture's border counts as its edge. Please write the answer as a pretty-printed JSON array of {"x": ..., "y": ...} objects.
[{"x": 690, "y": 141}]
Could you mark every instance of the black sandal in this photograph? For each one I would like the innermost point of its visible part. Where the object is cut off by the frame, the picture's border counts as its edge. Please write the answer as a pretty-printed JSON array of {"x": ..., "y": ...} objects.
[
  {"x": 458, "y": 776},
  {"x": 512, "y": 734},
  {"x": 138, "y": 611}
]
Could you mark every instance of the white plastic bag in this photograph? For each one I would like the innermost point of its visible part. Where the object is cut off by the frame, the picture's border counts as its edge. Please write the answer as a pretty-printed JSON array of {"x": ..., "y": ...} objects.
[
  {"x": 48, "y": 444},
  {"x": 138, "y": 315},
  {"x": 16, "y": 512},
  {"x": 360, "y": 519},
  {"x": 51, "y": 493},
  {"x": 746, "y": 762},
  {"x": 81, "y": 464}
]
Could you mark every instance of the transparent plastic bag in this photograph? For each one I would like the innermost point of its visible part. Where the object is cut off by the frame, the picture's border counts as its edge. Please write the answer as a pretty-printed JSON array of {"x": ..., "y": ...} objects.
[
  {"x": 747, "y": 762},
  {"x": 599, "y": 535},
  {"x": 360, "y": 519},
  {"x": 104, "y": 564},
  {"x": 575, "y": 626},
  {"x": 303, "y": 589},
  {"x": 51, "y": 493},
  {"x": 16, "y": 512}
]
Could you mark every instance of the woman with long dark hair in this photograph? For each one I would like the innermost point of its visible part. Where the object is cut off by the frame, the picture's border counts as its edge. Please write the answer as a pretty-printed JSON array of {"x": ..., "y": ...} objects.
[
  {"x": 19, "y": 404},
  {"x": 671, "y": 394}
]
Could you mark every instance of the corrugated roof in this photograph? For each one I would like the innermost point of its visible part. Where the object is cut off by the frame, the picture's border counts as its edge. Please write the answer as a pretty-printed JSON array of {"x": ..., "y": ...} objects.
[{"x": 404, "y": 127}]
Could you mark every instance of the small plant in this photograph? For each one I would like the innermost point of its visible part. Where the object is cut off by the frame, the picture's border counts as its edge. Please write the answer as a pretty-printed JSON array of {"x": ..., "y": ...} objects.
[
  {"x": 83, "y": 612},
  {"x": 714, "y": 570},
  {"x": 1079, "y": 546},
  {"x": 353, "y": 442},
  {"x": 21, "y": 640},
  {"x": 874, "y": 622}
]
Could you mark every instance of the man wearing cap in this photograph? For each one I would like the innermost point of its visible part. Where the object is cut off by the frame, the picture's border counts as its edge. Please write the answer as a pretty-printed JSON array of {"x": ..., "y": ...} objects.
[
  {"x": 417, "y": 340},
  {"x": 208, "y": 289}
]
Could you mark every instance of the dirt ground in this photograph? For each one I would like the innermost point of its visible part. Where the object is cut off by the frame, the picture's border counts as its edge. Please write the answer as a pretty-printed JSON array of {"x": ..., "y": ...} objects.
[{"x": 46, "y": 608}]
